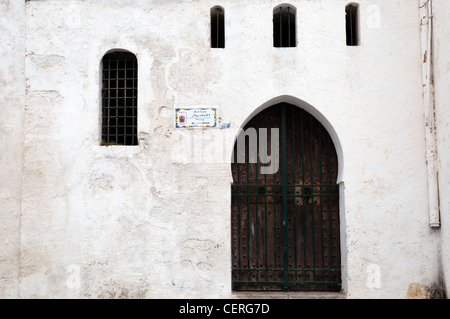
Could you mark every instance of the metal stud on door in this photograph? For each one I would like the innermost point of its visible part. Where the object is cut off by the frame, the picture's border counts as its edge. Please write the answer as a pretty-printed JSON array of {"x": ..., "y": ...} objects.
[{"x": 285, "y": 225}]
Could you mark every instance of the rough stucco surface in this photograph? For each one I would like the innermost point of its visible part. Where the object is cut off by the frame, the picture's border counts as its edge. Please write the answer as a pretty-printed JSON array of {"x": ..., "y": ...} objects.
[
  {"x": 12, "y": 95},
  {"x": 442, "y": 81},
  {"x": 145, "y": 222}
]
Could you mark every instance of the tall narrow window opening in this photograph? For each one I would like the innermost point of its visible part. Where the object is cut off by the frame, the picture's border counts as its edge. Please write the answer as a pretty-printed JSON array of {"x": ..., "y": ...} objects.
[
  {"x": 352, "y": 24},
  {"x": 284, "y": 27},
  {"x": 119, "y": 99},
  {"x": 217, "y": 28}
]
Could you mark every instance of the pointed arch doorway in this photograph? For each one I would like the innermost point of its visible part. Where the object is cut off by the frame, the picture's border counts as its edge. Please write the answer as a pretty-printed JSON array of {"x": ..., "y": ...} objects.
[{"x": 285, "y": 225}]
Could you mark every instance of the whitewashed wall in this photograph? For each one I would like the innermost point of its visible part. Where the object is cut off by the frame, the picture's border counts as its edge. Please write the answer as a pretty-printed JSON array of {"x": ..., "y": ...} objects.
[
  {"x": 142, "y": 222},
  {"x": 12, "y": 96},
  {"x": 441, "y": 12}
]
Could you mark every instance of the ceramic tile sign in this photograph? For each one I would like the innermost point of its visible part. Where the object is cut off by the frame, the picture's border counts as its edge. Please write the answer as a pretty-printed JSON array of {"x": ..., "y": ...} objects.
[{"x": 196, "y": 117}]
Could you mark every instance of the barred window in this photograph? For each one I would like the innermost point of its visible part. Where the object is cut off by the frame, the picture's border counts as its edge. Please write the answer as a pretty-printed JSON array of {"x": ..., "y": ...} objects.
[
  {"x": 352, "y": 24},
  {"x": 119, "y": 99},
  {"x": 217, "y": 28},
  {"x": 284, "y": 27}
]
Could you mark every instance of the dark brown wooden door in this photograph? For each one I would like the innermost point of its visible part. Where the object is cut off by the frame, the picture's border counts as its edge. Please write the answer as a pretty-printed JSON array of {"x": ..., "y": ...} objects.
[{"x": 285, "y": 225}]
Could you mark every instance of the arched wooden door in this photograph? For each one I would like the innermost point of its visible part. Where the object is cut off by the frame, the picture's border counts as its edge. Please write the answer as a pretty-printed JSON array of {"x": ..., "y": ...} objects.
[{"x": 285, "y": 226}]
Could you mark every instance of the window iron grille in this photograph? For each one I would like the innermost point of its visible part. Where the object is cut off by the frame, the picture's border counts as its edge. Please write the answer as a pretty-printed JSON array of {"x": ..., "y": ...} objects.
[
  {"x": 119, "y": 99},
  {"x": 284, "y": 27},
  {"x": 351, "y": 17},
  {"x": 217, "y": 28}
]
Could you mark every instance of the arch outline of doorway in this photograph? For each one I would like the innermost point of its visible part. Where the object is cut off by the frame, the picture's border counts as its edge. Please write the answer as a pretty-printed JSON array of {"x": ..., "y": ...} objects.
[{"x": 289, "y": 99}]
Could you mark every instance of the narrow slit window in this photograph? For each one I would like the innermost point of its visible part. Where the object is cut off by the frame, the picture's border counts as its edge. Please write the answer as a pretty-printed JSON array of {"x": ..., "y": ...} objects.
[
  {"x": 217, "y": 28},
  {"x": 284, "y": 27},
  {"x": 119, "y": 99},
  {"x": 352, "y": 24}
]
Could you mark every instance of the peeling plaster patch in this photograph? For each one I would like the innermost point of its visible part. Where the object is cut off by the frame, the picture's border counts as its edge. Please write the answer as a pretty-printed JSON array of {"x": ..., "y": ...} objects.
[
  {"x": 34, "y": 262},
  {"x": 196, "y": 250},
  {"x": 155, "y": 192},
  {"x": 198, "y": 244},
  {"x": 120, "y": 289},
  {"x": 158, "y": 130},
  {"x": 419, "y": 291},
  {"x": 103, "y": 181},
  {"x": 47, "y": 61},
  {"x": 204, "y": 266},
  {"x": 41, "y": 112},
  {"x": 132, "y": 215},
  {"x": 51, "y": 96},
  {"x": 165, "y": 112},
  {"x": 377, "y": 187},
  {"x": 144, "y": 140}
]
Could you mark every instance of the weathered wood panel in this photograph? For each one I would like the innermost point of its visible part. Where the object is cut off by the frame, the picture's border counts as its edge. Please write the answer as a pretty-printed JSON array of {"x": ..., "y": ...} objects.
[{"x": 285, "y": 226}]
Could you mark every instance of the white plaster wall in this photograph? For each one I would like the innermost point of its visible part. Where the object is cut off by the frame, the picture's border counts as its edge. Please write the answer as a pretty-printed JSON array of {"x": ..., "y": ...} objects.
[
  {"x": 12, "y": 94},
  {"x": 442, "y": 87},
  {"x": 139, "y": 222}
]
